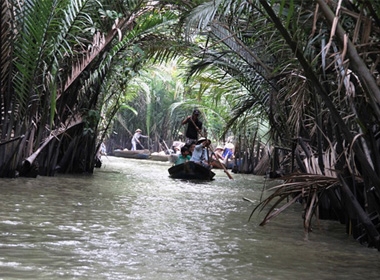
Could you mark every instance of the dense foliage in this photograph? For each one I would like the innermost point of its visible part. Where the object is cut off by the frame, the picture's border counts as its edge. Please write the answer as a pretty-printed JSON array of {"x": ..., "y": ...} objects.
[{"x": 73, "y": 71}]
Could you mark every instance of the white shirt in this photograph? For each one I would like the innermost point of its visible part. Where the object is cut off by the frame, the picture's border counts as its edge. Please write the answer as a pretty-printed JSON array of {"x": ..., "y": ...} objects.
[{"x": 199, "y": 154}]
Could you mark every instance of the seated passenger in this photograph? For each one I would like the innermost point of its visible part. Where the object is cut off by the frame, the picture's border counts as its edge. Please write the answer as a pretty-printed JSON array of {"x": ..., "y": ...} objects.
[
  {"x": 200, "y": 153},
  {"x": 184, "y": 156},
  {"x": 228, "y": 151},
  {"x": 191, "y": 148},
  {"x": 218, "y": 158}
]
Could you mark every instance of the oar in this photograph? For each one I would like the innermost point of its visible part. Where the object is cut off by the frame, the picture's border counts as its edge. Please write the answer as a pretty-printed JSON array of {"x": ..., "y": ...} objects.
[
  {"x": 221, "y": 164},
  {"x": 172, "y": 157},
  {"x": 212, "y": 151},
  {"x": 167, "y": 148},
  {"x": 140, "y": 144}
]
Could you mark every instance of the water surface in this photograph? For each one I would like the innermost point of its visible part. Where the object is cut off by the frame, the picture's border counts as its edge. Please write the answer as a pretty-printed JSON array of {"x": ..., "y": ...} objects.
[{"x": 129, "y": 220}]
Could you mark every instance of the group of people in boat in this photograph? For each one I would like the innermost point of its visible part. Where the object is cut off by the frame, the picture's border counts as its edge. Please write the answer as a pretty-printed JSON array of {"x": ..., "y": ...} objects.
[
  {"x": 199, "y": 150},
  {"x": 195, "y": 149}
]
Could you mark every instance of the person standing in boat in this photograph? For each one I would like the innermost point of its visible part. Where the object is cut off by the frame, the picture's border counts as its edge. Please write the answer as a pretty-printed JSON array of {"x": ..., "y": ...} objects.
[
  {"x": 136, "y": 139},
  {"x": 194, "y": 126},
  {"x": 200, "y": 154}
]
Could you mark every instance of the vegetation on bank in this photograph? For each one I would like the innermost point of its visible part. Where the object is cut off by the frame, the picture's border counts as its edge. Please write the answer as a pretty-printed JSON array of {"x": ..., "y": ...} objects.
[{"x": 72, "y": 72}]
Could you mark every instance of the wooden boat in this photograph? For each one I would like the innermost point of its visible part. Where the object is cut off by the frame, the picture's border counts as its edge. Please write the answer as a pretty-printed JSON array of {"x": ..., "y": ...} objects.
[
  {"x": 191, "y": 170},
  {"x": 159, "y": 157},
  {"x": 137, "y": 154}
]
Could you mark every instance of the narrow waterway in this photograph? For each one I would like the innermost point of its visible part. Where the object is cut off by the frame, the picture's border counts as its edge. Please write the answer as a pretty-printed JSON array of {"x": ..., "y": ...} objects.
[{"x": 129, "y": 220}]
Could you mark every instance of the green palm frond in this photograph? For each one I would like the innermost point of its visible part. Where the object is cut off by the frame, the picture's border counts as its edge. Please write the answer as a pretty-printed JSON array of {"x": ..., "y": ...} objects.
[
  {"x": 242, "y": 44},
  {"x": 7, "y": 40},
  {"x": 202, "y": 15},
  {"x": 132, "y": 46},
  {"x": 35, "y": 18}
]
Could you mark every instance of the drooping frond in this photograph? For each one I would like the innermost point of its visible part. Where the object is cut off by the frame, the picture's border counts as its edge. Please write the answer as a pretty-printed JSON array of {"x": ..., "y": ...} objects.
[
  {"x": 34, "y": 19},
  {"x": 296, "y": 187},
  {"x": 7, "y": 41}
]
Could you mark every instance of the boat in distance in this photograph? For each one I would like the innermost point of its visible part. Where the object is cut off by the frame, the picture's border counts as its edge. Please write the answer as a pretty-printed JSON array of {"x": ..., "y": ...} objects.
[{"x": 137, "y": 154}]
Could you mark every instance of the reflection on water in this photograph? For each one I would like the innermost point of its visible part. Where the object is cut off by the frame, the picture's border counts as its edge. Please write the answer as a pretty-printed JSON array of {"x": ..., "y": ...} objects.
[{"x": 131, "y": 221}]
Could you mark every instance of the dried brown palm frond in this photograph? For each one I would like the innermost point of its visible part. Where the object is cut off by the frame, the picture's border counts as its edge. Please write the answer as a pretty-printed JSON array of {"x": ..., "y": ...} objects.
[
  {"x": 330, "y": 158},
  {"x": 295, "y": 188},
  {"x": 75, "y": 120}
]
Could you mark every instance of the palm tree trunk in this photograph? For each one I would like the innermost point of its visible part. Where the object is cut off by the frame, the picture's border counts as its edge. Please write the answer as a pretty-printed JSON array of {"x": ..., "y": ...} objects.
[
  {"x": 310, "y": 74},
  {"x": 362, "y": 215}
]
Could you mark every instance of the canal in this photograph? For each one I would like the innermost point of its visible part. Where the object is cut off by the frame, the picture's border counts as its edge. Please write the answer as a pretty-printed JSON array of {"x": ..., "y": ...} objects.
[{"x": 129, "y": 220}]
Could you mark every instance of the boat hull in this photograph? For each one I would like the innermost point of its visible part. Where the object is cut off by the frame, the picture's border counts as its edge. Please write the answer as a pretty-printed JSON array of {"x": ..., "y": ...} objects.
[
  {"x": 159, "y": 157},
  {"x": 138, "y": 154},
  {"x": 191, "y": 171}
]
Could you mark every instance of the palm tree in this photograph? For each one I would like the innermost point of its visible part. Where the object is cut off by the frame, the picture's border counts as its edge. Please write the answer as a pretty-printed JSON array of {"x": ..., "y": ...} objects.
[
  {"x": 310, "y": 71},
  {"x": 313, "y": 97},
  {"x": 154, "y": 90},
  {"x": 58, "y": 59}
]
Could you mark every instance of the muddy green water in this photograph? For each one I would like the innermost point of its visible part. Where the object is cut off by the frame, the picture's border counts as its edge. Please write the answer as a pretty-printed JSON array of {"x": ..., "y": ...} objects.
[{"x": 129, "y": 220}]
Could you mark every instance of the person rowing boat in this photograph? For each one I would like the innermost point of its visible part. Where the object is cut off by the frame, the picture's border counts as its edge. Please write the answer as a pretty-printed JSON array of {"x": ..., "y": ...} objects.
[
  {"x": 194, "y": 127},
  {"x": 209, "y": 146},
  {"x": 136, "y": 139}
]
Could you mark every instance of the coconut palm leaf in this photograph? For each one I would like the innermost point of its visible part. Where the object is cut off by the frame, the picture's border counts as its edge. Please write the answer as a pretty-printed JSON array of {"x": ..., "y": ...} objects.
[
  {"x": 7, "y": 38},
  {"x": 36, "y": 18},
  {"x": 274, "y": 211},
  {"x": 296, "y": 187}
]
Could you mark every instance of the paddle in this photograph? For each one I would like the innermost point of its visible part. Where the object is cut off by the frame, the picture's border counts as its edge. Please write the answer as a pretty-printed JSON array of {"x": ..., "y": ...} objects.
[
  {"x": 167, "y": 148},
  {"x": 140, "y": 144},
  {"x": 172, "y": 156},
  {"x": 212, "y": 150}
]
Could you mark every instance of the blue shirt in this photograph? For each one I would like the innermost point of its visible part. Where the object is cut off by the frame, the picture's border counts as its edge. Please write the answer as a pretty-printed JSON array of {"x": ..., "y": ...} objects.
[{"x": 227, "y": 153}]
